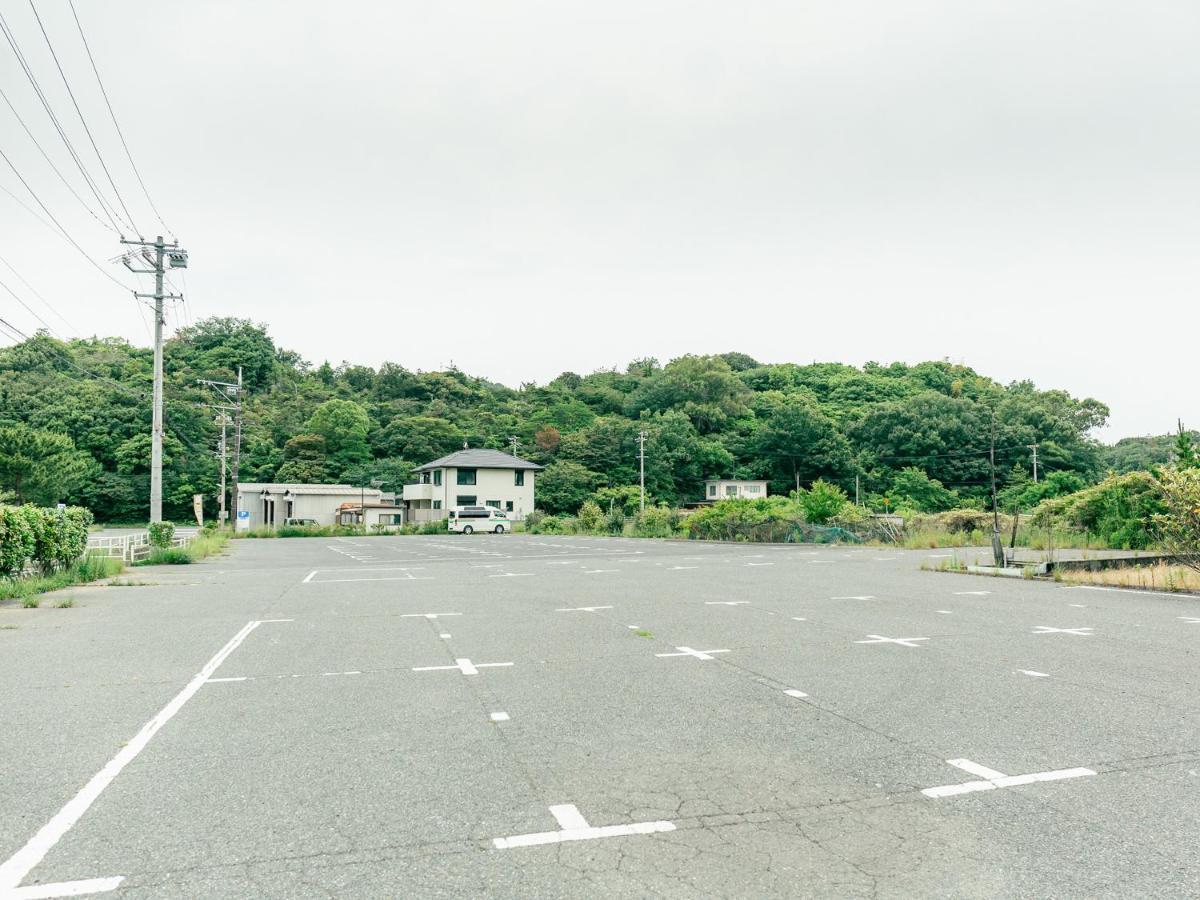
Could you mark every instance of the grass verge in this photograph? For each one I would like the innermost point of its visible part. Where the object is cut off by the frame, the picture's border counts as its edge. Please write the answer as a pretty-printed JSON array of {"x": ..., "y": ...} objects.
[
  {"x": 1157, "y": 577},
  {"x": 201, "y": 546},
  {"x": 28, "y": 590}
]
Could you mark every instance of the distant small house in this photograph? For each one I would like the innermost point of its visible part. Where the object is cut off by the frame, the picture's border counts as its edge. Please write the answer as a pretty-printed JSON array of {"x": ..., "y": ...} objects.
[
  {"x": 733, "y": 489},
  {"x": 270, "y": 505},
  {"x": 471, "y": 478}
]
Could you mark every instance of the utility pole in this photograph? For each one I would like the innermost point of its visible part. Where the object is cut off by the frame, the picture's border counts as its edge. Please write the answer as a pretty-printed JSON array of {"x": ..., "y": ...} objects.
[
  {"x": 178, "y": 260},
  {"x": 997, "y": 546},
  {"x": 231, "y": 393},
  {"x": 857, "y": 491},
  {"x": 642, "y": 467},
  {"x": 222, "y": 513},
  {"x": 1034, "y": 448},
  {"x": 515, "y": 442}
]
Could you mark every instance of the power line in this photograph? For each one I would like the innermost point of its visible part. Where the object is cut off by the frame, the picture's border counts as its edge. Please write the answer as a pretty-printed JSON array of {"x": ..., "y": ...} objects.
[
  {"x": 35, "y": 293},
  {"x": 37, "y": 89},
  {"x": 82, "y": 120},
  {"x": 30, "y": 310},
  {"x": 50, "y": 215},
  {"x": 120, "y": 133},
  {"x": 49, "y": 161}
]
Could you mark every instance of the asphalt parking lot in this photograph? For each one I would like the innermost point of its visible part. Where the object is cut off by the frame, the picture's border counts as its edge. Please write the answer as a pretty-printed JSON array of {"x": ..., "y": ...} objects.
[{"x": 526, "y": 716}]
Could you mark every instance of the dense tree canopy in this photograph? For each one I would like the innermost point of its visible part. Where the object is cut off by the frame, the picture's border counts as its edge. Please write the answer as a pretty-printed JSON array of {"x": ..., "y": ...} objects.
[{"x": 921, "y": 430}]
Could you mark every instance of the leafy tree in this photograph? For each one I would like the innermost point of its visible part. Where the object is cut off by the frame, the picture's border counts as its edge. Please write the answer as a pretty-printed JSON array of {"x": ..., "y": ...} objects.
[
  {"x": 1186, "y": 456},
  {"x": 39, "y": 466},
  {"x": 822, "y": 501},
  {"x": 1178, "y": 525},
  {"x": 798, "y": 443},
  {"x": 420, "y": 438},
  {"x": 305, "y": 461},
  {"x": 912, "y": 488},
  {"x": 564, "y": 486},
  {"x": 344, "y": 425}
]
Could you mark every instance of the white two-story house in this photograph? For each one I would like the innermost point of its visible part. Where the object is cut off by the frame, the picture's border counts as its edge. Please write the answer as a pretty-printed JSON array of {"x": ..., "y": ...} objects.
[{"x": 471, "y": 478}]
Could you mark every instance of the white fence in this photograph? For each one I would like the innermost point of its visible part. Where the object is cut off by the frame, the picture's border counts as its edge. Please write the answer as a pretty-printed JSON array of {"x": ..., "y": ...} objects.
[{"x": 129, "y": 547}]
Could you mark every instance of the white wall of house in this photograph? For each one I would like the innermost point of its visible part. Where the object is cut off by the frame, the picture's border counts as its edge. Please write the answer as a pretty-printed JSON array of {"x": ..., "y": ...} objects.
[
  {"x": 731, "y": 489},
  {"x": 495, "y": 487},
  {"x": 270, "y": 504}
]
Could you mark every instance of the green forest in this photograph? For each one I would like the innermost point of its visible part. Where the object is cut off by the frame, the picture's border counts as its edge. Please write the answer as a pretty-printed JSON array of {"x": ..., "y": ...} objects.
[{"x": 75, "y": 421}]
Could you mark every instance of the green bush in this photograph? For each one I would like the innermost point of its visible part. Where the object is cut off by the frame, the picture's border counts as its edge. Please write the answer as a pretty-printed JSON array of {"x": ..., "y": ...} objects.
[
  {"x": 437, "y": 526},
  {"x": 657, "y": 522},
  {"x": 161, "y": 534},
  {"x": 822, "y": 502},
  {"x": 51, "y": 539},
  {"x": 589, "y": 516},
  {"x": 614, "y": 520},
  {"x": 1120, "y": 510}
]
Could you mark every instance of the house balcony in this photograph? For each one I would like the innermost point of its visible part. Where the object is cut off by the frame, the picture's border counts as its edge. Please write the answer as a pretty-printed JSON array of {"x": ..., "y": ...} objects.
[{"x": 421, "y": 491}]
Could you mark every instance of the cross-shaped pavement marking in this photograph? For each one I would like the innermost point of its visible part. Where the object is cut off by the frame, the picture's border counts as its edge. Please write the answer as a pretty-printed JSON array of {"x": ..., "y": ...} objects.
[
  {"x": 574, "y": 827},
  {"x": 583, "y": 609},
  {"x": 726, "y": 602},
  {"x": 1046, "y": 629},
  {"x": 993, "y": 779},
  {"x": 880, "y": 639},
  {"x": 464, "y": 665},
  {"x": 426, "y": 615},
  {"x": 688, "y": 651}
]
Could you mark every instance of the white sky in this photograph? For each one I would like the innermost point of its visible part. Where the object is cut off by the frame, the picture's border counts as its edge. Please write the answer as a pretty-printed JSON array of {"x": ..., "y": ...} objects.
[{"x": 531, "y": 187}]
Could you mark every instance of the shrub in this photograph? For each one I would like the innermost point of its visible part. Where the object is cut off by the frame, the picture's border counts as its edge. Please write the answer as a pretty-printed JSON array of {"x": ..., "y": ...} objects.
[
  {"x": 614, "y": 520},
  {"x": 161, "y": 534},
  {"x": 589, "y": 516},
  {"x": 1120, "y": 510},
  {"x": 1178, "y": 526},
  {"x": 822, "y": 502},
  {"x": 53, "y": 539},
  {"x": 437, "y": 526},
  {"x": 657, "y": 522}
]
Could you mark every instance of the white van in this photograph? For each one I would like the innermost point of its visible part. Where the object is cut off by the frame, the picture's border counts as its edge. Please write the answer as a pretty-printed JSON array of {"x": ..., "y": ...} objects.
[{"x": 469, "y": 519}]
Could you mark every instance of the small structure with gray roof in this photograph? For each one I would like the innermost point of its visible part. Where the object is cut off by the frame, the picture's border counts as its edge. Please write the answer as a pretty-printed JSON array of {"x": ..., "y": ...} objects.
[{"x": 471, "y": 478}]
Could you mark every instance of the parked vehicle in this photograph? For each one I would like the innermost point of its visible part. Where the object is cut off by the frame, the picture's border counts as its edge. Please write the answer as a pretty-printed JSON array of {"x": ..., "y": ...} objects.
[
  {"x": 469, "y": 519},
  {"x": 301, "y": 522}
]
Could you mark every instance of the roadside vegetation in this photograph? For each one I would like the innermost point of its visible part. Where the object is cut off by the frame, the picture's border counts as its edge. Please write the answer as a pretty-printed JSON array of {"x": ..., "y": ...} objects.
[
  {"x": 1157, "y": 577},
  {"x": 44, "y": 550}
]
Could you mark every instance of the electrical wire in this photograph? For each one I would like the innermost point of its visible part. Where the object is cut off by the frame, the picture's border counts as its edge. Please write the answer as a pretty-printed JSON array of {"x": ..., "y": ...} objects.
[
  {"x": 37, "y": 89},
  {"x": 82, "y": 120},
  {"x": 65, "y": 234},
  {"x": 120, "y": 133},
  {"x": 30, "y": 310},
  {"x": 35, "y": 293},
  {"x": 49, "y": 161}
]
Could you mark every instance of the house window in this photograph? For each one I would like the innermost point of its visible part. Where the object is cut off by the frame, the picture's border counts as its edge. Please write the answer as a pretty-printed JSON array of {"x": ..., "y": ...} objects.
[
  {"x": 424, "y": 478},
  {"x": 508, "y": 506},
  {"x": 519, "y": 477},
  {"x": 466, "y": 476},
  {"x": 494, "y": 504},
  {"x": 731, "y": 490},
  {"x": 464, "y": 500},
  {"x": 437, "y": 476},
  {"x": 712, "y": 490},
  {"x": 437, "y": 504},
  {"x": 752, "y": 489}
]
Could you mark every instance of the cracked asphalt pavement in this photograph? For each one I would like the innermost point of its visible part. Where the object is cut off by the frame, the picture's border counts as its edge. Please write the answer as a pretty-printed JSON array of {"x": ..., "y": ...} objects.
[{"x": 776, "y": 713}]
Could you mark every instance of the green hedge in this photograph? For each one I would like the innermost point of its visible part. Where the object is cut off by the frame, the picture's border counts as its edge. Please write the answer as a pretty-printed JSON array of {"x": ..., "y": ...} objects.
[{"x": 50, "y": 539}]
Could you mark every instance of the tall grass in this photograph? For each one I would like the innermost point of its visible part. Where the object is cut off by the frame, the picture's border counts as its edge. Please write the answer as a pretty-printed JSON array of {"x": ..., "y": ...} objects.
[
  {"x": 1158, "y": 577},
  {"x": 203, "y": 545},
  {"x": 90, "y": 568}
]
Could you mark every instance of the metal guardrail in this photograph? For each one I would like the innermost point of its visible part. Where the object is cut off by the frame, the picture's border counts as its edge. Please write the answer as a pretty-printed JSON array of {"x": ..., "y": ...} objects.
[{"x": 130, "y": 547}]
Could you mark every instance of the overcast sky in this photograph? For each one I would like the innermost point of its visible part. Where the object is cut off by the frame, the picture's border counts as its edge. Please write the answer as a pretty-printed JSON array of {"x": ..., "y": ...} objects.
[{"x": 525, "y": 188}]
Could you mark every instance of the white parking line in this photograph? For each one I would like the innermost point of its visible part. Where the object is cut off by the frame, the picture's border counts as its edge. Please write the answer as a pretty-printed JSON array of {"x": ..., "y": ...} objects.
[
  {"x": 688, "y": 651},
  {"x": 994, "y": 779},
  {"x": 463, "y": 665},
  {"x": 1033, "y": 674},
  {"x": 573, "y": 827},
  {"x": 904, "y": 642},
  {"x": 19, "y": 865}
]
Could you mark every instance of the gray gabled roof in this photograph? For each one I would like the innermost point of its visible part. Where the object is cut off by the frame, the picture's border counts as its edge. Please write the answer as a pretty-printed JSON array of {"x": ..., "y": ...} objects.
[{"x": 479, "y": 459}]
